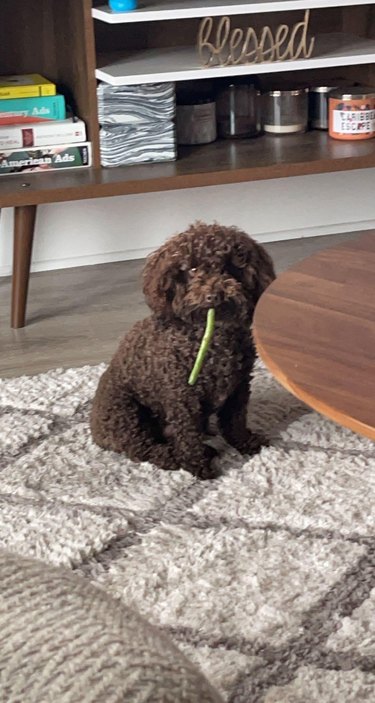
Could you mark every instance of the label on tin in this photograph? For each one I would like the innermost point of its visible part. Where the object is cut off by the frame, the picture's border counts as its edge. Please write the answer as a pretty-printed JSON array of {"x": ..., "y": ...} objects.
[{"x": 354, "y": 121}]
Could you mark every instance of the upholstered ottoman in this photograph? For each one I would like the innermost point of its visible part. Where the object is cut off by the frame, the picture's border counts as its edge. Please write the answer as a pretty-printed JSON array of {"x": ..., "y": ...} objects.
[{"x": 64, "y": 641}]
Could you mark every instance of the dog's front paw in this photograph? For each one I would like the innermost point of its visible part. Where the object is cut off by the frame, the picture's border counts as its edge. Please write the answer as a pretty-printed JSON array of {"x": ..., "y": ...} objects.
[
  {"x": 161, "y": 455},
  {"x": 249, "y": 443},
  {"x": 205, "y": 466},
  {"x": 210, "y": 471}
]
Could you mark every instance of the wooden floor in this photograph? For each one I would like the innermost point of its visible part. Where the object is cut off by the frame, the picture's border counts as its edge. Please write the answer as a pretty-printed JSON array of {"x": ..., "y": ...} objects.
[{"x": 76, "y": 316}]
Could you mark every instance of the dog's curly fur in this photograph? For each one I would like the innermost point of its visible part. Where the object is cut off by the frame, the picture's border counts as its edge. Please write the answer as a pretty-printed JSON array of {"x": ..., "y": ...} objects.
[{"x": 144, "y": 405}]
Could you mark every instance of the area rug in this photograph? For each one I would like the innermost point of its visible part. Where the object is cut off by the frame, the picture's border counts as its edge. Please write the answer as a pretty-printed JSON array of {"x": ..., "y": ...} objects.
[{"x": 264, "y": 577}]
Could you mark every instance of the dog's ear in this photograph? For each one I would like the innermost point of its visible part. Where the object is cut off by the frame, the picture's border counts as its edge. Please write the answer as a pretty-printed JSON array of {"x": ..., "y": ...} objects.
[
  {"x": 264, "y": 271},
  {"x": 255, "y": 264},
  {"x": 159, "y": 283}
]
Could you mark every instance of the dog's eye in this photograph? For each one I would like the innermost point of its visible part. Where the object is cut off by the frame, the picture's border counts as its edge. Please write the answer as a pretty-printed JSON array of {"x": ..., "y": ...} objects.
[
  {"x": 239, "y": 257},
  {"x": 185, "y": 274},
  {"x": 181, "y": 276}
]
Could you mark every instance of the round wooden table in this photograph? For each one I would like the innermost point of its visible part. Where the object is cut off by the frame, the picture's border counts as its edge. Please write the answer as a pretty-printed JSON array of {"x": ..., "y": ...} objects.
[{"x": 314, "y": 328}]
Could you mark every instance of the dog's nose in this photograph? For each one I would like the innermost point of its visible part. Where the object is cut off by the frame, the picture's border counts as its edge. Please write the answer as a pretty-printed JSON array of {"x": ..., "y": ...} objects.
[{"x": 213, "y": 298}]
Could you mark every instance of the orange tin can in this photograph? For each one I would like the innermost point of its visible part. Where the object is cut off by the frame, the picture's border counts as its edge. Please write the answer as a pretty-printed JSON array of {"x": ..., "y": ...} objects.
[{"x": 352, "y": 115}]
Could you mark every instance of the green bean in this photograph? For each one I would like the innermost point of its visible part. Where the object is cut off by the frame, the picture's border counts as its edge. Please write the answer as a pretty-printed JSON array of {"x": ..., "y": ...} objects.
[{"x": 203, "y": 349}]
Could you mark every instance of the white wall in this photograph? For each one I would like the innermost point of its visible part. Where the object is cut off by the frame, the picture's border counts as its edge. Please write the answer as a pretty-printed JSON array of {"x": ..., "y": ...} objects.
[{"x": 113, "y": 229}]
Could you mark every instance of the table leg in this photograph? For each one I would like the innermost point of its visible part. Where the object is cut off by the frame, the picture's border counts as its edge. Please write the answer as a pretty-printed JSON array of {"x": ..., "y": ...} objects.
[{"x": 24, "y": 223}]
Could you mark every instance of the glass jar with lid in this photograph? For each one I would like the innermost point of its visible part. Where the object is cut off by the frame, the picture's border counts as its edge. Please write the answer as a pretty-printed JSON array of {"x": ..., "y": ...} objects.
[
  {"x": 237, "y": 109},
  {"x": 318, "y": 105},
  {"x": 285, "y": 111},
  {"x": 352, "y": 113},
  {"x": 196, "y": 121}
]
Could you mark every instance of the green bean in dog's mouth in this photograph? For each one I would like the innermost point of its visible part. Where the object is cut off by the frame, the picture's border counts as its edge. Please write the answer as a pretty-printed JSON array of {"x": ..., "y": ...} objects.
[{"x": 203, "y": 349}]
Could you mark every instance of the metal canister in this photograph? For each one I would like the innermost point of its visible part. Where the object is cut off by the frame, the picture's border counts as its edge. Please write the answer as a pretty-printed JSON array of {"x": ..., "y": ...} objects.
[{"x": 318, "y": 106}]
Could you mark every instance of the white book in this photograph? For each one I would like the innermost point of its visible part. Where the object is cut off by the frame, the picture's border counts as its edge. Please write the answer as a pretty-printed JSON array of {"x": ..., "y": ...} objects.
[{"x": 24, "y": 136}]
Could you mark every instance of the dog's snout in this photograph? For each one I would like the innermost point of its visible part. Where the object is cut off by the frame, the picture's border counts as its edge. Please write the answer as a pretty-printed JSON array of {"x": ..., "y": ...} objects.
[{"x": 214, "y": 298}]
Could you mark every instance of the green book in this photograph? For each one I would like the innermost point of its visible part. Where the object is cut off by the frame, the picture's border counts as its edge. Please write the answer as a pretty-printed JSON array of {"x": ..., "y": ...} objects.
[
  {"x": 45, "y": 159},
  {"x": 19, "y": 110}
]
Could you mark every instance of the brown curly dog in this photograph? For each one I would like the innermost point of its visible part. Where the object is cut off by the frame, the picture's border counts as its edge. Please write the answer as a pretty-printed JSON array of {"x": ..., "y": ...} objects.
[{"x": 143, "y": 405}]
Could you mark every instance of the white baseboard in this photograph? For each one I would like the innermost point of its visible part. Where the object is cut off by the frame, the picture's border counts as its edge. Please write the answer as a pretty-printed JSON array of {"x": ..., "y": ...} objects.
[{"x": 140, "y": 253}]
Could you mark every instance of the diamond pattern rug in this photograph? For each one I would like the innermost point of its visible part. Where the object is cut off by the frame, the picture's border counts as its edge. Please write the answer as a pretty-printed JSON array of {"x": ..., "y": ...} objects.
[{"x": 264, "y": 577}]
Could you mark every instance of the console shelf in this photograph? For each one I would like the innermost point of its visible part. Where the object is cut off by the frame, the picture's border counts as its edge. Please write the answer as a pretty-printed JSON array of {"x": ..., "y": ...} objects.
[
  {"x": 182, "y": 63},
  {"x": 184, "y": 9},
  {"x": 215, "y": 164}
]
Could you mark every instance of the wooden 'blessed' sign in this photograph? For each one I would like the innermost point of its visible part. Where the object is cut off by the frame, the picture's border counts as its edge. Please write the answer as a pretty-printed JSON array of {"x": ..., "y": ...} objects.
[{"x": 230, "y": 47}]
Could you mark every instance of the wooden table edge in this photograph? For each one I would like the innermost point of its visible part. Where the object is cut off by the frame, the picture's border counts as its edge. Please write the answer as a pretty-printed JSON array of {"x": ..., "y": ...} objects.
[{"x": 310, "y": 400}]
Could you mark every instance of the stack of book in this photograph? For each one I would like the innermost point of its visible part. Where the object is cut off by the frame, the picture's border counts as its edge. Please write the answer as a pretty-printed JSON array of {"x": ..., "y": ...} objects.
[{"x": 36, "y": 131}]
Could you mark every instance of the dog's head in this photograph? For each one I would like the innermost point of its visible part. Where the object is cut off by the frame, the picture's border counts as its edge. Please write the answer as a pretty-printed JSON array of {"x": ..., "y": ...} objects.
[{"x": 208, "y": 266}]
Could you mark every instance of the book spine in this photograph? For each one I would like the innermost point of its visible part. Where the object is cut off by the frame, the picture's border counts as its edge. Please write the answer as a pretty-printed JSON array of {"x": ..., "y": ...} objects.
[
  {"x": 27, "y": 91},
  {"x": 42, "y": 134},
  {"x": 21, "y": 110},
  {"x": 45, "y": 159}
]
